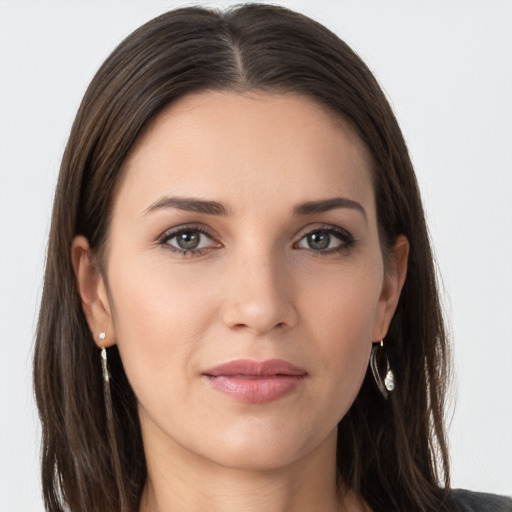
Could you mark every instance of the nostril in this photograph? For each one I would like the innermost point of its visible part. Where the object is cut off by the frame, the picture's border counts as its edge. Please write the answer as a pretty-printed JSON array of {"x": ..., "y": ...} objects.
[
  {"x": 241, "y": 326},
  {"x": 260, "y": 315}
]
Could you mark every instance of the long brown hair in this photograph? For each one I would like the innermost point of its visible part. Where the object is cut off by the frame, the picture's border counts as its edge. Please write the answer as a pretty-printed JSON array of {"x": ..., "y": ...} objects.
[{"x": 393, "y": 453}]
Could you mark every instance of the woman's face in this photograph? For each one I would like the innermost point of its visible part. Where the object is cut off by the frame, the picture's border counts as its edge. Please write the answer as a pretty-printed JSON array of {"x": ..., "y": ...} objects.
[{"x": 244, "y": 280}]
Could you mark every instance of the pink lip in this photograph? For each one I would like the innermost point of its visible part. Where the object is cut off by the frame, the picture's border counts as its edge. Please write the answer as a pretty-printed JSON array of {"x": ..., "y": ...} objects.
[{"x": 256, "y": 382}]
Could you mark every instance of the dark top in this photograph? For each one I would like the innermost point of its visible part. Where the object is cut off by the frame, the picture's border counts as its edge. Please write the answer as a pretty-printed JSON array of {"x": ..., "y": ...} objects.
[{"x": 467, "y": 501}]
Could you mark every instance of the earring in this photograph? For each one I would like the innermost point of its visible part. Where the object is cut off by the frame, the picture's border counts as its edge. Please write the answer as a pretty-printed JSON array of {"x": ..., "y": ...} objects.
[
  {"x": 104, "y": 366},
  {"x": 377, "y": 363},
  {"x": 111, "y": 426}
]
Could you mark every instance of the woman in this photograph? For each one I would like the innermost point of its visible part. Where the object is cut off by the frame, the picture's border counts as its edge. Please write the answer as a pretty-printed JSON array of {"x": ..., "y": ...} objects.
[{"x": 240, "y": 310}]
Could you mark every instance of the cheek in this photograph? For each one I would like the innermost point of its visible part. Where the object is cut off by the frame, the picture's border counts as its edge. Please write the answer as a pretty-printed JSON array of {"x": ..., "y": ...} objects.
[
  {"x": 341, "y": 321},
  {"x": 159, "y": 316},
  {"x": 345, "y": 306}
]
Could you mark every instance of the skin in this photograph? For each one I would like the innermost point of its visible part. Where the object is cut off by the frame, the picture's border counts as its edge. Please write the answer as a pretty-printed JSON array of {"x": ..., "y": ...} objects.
[{"x": 257, "y": 290}]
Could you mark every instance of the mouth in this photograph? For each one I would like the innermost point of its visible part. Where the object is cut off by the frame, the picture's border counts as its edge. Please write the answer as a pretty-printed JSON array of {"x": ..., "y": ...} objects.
[{"x": 255, "y": 382}]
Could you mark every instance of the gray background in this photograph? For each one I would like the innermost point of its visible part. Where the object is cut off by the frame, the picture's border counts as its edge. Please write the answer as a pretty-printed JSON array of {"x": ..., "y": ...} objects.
[{"x": 446, "y": 66}]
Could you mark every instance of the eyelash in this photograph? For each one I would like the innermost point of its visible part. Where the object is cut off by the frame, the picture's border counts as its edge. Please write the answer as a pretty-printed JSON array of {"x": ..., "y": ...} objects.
[
  {"x": 346, "y": 239},
  {"x": 169, "y": 235},
  {"x": 343, "y": 235}
]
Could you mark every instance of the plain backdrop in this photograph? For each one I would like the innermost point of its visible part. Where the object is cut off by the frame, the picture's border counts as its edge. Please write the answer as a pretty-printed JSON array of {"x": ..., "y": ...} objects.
[{"x": 446, "y": 67}]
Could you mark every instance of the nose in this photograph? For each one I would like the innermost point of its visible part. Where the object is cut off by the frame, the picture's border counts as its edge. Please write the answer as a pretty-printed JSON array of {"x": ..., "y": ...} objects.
[{"x": 259, "y": 296}]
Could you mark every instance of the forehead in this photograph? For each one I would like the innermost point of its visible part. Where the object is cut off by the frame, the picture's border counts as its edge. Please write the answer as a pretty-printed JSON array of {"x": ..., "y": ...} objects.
[{"x": 241, "y": 147}]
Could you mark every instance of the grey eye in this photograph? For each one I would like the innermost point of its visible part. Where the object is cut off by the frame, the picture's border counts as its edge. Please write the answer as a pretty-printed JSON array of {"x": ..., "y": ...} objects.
[
  {"x": 319, "y": 240},
  {"x": 188, "y": 239},
  {"x": 326, "y": 240}
]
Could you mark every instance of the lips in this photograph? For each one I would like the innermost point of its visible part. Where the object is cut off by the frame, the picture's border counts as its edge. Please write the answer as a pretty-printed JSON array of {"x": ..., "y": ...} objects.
[{"x": 255, "y": 382}]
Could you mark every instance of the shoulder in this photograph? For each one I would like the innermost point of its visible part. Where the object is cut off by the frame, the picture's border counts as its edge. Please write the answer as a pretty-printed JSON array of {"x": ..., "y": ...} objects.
[{"x": 468, "y": 501}]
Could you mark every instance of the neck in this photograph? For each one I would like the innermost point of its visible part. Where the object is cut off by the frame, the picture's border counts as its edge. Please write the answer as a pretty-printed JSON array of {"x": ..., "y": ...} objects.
[{"x": 182, "y": 481}]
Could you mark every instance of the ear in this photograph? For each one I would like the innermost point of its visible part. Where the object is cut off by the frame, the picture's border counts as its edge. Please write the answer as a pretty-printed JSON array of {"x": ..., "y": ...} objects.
[
  {"x": 394, "y": 279},
  {"x": 93, "y": 292}
]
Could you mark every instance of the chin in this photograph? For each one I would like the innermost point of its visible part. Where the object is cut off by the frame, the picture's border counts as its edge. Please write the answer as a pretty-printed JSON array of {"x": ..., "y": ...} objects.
[
  {"x": 257, "y": 457},
  {"x": 263, "y": 449}
]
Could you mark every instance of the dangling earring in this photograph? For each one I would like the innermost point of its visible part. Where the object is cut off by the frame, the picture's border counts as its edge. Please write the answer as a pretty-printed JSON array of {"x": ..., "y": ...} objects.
[
  {"x": 377, "y": 364},
  {"x": 110, "y": 424},
  {"x": 107, "y": 395},
  {"x": 104, "y": 366}
]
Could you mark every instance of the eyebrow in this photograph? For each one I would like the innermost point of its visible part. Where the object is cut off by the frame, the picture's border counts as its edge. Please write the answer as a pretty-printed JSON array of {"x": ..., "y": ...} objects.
[
  {"x": 189, "y": 204},
  {"x": 326, "y": 205},
  {"x": 192, "y": 204}
]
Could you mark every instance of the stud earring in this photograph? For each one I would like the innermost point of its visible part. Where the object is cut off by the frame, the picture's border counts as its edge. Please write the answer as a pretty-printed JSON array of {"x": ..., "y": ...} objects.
[{"x": 379, "y": 361}]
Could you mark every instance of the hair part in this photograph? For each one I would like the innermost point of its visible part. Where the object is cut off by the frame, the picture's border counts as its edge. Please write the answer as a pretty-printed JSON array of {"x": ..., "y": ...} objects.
[{"x": 392, "y": 453}]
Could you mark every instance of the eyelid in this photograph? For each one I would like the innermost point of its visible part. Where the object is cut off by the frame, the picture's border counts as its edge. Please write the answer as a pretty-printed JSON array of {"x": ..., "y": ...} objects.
[
  {"x": 345, "y": 237},
  {"x": 333, "y": 228},
  {"x": 173, "y": 232}
]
